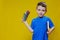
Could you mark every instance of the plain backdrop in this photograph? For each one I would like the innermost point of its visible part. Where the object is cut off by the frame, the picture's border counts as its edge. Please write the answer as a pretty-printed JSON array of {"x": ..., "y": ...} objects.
[{"x": 12, "y": 11}]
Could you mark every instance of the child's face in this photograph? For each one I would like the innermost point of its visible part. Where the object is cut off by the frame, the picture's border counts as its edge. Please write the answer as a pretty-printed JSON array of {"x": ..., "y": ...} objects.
[{"x": 41, "y": 11}]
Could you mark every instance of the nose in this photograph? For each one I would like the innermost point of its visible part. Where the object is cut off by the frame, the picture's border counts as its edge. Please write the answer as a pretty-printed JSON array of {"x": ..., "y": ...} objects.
[{"x": 40, "y": 12}]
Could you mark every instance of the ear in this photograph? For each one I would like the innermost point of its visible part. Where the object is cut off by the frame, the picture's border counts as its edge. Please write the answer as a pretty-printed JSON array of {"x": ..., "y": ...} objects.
[
  {"x": 36, "y": 10},
  {"x": 45, "y": 11}
]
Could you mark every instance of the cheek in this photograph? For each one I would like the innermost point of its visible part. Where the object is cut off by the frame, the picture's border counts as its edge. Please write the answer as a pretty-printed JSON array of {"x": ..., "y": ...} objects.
[
  {"x": 43, "y": 12},
  {"x": 37, "y": 11}
]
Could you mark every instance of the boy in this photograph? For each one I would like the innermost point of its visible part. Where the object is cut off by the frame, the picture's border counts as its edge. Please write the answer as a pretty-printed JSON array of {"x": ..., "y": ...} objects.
[{"x": 41, "y": 26}]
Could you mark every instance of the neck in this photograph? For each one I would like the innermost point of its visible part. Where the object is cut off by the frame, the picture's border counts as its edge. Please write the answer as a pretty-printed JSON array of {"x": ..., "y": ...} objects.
[{"x": 41, "y": 17}]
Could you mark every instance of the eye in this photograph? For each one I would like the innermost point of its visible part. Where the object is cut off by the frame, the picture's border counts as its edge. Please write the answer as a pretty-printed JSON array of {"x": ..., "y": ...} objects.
[
  {"x": 43, "y": 10},
  {"x": 38, "y": 9}
]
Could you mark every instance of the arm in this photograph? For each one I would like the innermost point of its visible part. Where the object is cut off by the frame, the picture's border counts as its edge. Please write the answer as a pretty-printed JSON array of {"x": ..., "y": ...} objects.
[
  {"x": 49, "y": 29},
  {"x": 25, "y": 22}
]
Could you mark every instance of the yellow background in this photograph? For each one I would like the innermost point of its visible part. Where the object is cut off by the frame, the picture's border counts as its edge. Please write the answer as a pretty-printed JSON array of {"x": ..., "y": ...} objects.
[{"x": 11, "y": 13}]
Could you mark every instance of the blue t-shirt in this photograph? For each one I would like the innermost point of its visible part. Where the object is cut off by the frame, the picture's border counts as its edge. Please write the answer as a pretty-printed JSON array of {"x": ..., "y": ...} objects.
[{"x": 39, "y": 25}]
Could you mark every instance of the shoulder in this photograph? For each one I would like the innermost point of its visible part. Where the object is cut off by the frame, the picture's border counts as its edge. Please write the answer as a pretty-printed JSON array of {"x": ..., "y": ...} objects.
[
  {"x": 34, "y": 19},
  {"x": 46, "y": 17}
]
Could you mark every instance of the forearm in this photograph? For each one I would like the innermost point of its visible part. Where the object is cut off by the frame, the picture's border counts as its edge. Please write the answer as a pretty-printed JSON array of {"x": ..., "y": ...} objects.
[
  {"x": 28, "y": 26},
  {"x": 50, "y": 30}
]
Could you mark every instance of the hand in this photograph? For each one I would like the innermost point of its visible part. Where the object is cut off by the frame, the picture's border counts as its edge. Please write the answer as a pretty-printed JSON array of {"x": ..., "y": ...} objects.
[
  {"x": 49, "y": 31},
  {"x": 23, "y": 21}
]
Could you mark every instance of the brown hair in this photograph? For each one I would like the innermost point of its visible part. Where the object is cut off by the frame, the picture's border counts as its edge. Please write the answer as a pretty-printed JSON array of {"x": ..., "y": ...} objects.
[{"x": 43, "y": 4}]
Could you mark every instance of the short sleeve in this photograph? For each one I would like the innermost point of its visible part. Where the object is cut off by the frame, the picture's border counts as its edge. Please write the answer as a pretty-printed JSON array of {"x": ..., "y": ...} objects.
[
  {"x": 32, "y": 24},
  {"x": 50, "y": 23}
]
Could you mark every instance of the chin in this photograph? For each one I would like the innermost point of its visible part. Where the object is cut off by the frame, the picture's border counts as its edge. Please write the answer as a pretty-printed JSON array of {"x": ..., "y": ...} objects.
[{"x": 40, "y": 16}]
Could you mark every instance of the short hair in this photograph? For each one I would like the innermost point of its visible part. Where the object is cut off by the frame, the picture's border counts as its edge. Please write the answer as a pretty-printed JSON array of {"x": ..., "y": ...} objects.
[{"x": 43, "y": 4}]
